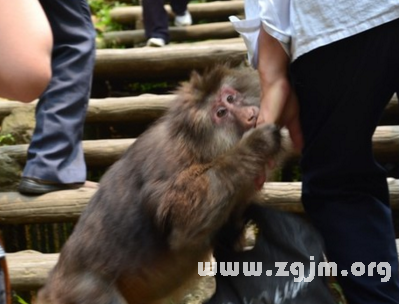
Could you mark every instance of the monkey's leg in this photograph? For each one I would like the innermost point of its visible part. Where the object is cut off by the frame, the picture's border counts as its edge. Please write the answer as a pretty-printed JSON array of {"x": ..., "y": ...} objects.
[{"x": 79, "y": 288}]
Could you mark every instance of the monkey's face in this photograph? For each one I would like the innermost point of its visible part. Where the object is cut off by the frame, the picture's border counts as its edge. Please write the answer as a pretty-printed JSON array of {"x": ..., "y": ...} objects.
[
  {"x": 230, "y": 116},
  {"x": 231, "y": 111},
  {"x": 214, "y": 110}
]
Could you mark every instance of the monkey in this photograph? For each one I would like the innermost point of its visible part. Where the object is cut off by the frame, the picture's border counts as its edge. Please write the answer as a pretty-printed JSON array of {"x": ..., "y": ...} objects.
[{"x": 159, "y": 207}]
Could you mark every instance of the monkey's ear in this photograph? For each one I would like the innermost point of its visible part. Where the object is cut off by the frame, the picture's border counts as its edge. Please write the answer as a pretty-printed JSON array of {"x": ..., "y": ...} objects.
[{"x": 196, "y": 80}]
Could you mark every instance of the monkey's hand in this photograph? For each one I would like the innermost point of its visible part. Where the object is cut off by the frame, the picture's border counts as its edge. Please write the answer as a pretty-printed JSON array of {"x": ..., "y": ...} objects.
[
  {"x": 264, "y": 175},
  {"x": 262, "y": 142},
  {"x": 260, "y": 180},
  {"x": 202, "y": 198},
  {"x": 270, "y": 145}
]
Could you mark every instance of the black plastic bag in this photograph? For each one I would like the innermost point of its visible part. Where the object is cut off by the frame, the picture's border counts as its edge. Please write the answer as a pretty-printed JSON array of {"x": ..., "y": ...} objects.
[{"x": 284, "y": 239}]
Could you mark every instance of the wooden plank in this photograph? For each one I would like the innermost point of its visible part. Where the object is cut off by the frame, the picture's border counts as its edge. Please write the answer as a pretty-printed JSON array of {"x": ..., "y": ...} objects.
[
  {"x": 64, "y": 206},
  {"x": 386, "y": 143},
  {"x": 105, "y": 152},
  {"x": 97, "y": 152},
  {"x": 29, "y": 269},
  {"x": 141, "y": 109},
  {"x": 128, "y": 15},
  {"x": 216, "y": 30},
  {"x": 59, "y": 206},
  {"x": 138, "y": 109},
  {"x": 169, "y": 62}
]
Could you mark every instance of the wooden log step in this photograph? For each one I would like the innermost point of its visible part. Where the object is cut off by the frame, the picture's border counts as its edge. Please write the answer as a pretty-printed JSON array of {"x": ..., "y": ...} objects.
[
  {"x": 144, "y": 108},
  {"x": 128, "y": 15},
  {"x": 217, "y": 30},
  {"x": 29, "y": 269},
  {"x": 97, "y": 152},
  {"x": 54, "y": 207},
  {"x": 139, "y": 109},
  {"x": 102, "y": 153},
  {"x": 217, "y": 41},
  {"x": 169, "y": 62},
  {"x": 66, "y": 206}
]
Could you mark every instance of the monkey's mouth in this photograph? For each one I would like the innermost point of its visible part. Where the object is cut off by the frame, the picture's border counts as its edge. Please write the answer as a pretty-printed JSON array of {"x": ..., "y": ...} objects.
[{"x": 253, "y": 118}]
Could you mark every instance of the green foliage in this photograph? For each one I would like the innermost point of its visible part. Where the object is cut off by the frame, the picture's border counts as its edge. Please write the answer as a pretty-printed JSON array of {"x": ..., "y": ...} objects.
[
  {"x": 19, "y": 300},
  {"x": 151, "y": 87},
  {"x": 102, "y": 18},
  {"x": 7, "y": 140}
]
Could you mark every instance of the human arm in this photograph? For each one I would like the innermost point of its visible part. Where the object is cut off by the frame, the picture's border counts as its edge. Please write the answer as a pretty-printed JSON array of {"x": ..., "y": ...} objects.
[
  {"x": 25, "y": 49},
  {"x": 278, "y": 101}
]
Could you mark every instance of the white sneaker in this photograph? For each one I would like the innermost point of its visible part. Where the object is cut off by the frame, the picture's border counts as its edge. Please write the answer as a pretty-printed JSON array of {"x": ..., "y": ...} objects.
[
  {"x": 183, "y": 20},
  {"x": 156, "y": 42}
]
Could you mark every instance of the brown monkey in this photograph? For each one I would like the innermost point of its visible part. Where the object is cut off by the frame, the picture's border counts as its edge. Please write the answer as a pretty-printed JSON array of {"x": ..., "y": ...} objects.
[{"x": 160, "y": 206}]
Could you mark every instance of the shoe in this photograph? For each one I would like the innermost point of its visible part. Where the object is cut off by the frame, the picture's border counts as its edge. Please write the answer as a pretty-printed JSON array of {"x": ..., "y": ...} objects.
[
  {"x": 30, "y": 186},
  {"x": 183, "y": 20},
  {"x": 157, "y": 42}
]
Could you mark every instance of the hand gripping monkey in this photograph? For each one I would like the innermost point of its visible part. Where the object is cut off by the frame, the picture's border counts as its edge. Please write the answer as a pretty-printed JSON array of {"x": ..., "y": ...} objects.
[{"x": 159, "y": 208}]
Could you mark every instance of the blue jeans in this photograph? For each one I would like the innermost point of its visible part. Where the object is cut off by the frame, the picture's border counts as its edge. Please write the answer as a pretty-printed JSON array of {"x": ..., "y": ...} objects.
[
  {"x": 342, "y": 90},
  {"x": 155, "y": 17},
  {"x": 55, "y": 152}
]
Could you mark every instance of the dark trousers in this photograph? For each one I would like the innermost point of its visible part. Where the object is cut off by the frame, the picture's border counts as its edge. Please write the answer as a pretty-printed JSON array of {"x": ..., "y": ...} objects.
[
  {"x": 55, "y": 152},
  {"x": 343, "y": 89},
  {"x": 155, "y": 17}
]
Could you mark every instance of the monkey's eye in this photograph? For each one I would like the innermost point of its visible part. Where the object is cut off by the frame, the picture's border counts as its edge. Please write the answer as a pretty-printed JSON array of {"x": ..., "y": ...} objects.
[
  {"x": 230, "y": 98},
  {"x": 221, "y": 112}
]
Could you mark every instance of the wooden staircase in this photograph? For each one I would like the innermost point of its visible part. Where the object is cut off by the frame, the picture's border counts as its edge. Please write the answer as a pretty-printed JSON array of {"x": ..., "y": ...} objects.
[{"x": 215, "y": 42}]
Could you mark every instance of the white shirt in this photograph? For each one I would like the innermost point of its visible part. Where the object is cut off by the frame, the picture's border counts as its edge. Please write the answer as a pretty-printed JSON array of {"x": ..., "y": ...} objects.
[{"x": 304, "y": 25}]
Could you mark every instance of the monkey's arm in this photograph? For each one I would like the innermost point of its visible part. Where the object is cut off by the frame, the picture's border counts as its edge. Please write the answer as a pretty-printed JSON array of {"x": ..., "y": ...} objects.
[{"x": 202, "y": 197}]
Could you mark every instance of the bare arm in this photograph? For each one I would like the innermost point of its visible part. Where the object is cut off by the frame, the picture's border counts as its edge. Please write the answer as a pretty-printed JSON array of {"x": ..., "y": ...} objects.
[
  {"x": 25, "y": 49},
  {"x": 278, "y": 101}
]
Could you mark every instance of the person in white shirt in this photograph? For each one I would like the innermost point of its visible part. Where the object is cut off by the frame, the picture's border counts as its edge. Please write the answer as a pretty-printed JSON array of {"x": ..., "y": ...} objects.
[{"x": 327, "y": 71}]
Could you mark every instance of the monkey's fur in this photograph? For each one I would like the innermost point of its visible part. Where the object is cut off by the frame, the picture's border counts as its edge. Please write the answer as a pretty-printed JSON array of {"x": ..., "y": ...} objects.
[{"x": 158, "y": 208}]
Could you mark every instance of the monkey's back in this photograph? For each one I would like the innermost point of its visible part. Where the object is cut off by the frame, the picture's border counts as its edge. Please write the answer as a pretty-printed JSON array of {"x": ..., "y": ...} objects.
[{"x": 131, "y": 188}]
